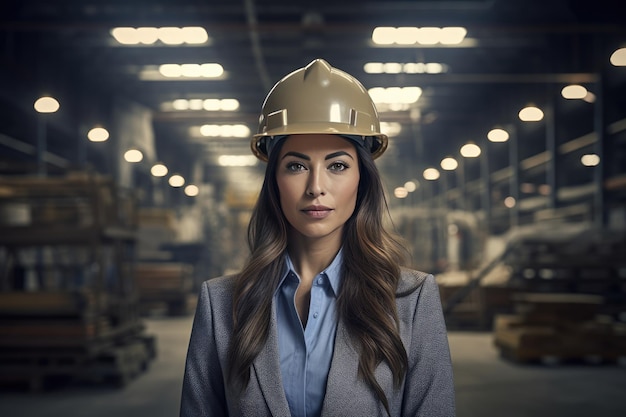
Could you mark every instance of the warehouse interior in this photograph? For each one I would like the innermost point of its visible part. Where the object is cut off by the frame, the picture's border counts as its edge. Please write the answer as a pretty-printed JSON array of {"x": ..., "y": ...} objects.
[{"x": 127, "y": 179}]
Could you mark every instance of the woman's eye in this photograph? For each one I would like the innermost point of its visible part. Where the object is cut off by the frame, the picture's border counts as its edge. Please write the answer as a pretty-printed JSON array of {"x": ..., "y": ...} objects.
[
  {"x": 338, "y": 166},
  {"x": 295, "y": 167}
]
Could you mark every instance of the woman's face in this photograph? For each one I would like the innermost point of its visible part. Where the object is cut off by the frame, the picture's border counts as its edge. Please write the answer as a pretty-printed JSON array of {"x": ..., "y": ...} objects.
[{"x": 318, "y": 178}]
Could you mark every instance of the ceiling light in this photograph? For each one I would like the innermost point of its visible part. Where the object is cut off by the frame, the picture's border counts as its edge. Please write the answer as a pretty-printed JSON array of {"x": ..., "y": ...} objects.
[
  {"x": 574, "y": 92},
  {"x": 176, "y": 180},
  {"x": 193, "y": 35},
  {"x": 470, "y": 150},
  {"x": 509, "y": 202},
  {"x": 449, "y": 164},
  {"x": 409, "y": 35},
  {"x": 452, "y": 35},
  {"x": 192, "y": 190},
  {"x": 158, "y": 170},
  {"x": 498, "y": 135},
  {"x": 237, "y": 160},
  {"x": 400, "y": 192},
  {"x": 389, "y": 95},
  {"x": 431, "y": 174},
  {"x": 98, "y": 134},
  {"x": 530, "y": 114},
  {"x": 224, "y": 131},
  {"x": 411, "y": 186},
  {"x": 46, "y": 105},
  {"x": 390, "y": 128},
  {"x": 618, "y": 58},
  {"x": 404, "y": 67},
  {"x": 590, "y": 160},
  {"x": 133, "y": 155}
]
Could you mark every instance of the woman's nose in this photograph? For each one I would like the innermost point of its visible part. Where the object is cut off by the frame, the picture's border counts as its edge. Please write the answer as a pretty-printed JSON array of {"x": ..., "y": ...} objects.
[{"x": 315, "y": 185}]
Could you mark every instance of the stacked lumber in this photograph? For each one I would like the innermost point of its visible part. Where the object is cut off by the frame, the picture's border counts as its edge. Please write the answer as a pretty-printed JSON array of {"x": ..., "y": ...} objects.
[
  {"x": 553, "y": 328},
  {"x": 167, "y": 284},
  {"x": 47, "y": 337}
]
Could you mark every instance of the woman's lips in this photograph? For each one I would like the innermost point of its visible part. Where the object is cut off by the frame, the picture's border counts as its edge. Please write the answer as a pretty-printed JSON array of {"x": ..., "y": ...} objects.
[{"x": 317, "y": 212}]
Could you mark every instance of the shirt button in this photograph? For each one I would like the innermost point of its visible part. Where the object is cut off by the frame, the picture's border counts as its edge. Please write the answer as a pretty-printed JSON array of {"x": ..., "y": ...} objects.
[
  {"x": 315, "y": 315},
  {"x": 320, "y": 281}
]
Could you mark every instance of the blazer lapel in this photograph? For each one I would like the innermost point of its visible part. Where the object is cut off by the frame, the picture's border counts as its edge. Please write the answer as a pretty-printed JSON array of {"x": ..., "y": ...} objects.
[{"x": 267, "y": 369}]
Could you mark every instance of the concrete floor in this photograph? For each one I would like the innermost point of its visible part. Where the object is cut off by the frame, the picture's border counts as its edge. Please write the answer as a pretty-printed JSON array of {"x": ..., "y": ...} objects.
[{"x": 486, "y": 385}]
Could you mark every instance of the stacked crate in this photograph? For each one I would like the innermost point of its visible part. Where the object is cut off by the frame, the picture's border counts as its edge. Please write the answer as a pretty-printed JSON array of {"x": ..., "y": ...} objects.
[
  {"x": 554, "y": 328},
  {"x": 165, "y": 285},
  {"x": 68, "y": 301}
]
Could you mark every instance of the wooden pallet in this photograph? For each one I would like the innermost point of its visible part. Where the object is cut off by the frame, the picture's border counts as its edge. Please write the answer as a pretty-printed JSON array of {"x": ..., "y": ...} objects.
[{"x": 45, "y": 369}]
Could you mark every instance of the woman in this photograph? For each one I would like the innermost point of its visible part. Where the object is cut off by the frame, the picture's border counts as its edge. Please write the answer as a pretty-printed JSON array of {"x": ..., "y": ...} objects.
[{"x": 322, "y": 320}]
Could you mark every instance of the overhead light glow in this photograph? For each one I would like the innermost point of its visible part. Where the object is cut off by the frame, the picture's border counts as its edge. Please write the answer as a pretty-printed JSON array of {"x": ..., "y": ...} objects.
[
  {"x": 470, "y": 150},
  {"x": 449, "y": 164},
  {"x": 498, "y": 135},
  {"x": 574, "y": 92},
  {"x": 618, "y": 58},
  {"x": 531, "y": 114},
  {"x": 237, "y": 160},
  {"x": 210, "y": 104},
  {"x": 431, "y": 174},
  {"x": 98, "y": 134},
  {"x": 208, "y": 70},
  {"x": 46, "y": 105},
  {"x": 410, "y": 35},
  {"x": 405, "y": 67},
  {"x": 192, "y": 190},
  {"x": 192, "y": 35},
  {"x": 176, "y": 180},
  {"x": 400, "y": 95},
  {"x": 133, "y": 155},
  {"x": 158, "y": 170},
  {"x": 400, "y": 192},
  {"x": 411, "y": 186},
  {"x": 225, "y": 131},
  {"x": 590, "y": 160},
  {"x": 510, "y": 202},
  {"x": 390, "y": 128}
]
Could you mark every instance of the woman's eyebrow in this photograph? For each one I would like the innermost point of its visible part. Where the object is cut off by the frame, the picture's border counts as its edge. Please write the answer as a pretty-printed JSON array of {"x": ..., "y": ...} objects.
[
  {"x": 336, "y": 154},
  {"x": 297, "y": 155}
]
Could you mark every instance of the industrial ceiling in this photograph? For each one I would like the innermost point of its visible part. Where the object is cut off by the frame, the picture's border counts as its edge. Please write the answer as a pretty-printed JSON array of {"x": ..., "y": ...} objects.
[{"x": 514, "y": 53}]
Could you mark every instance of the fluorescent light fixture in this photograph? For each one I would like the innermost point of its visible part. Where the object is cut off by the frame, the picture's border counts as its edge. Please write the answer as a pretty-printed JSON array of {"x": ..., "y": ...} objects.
[
  {"x": 46, "y": 105},
  {"x": 618, "y": 58},
  {"x": 98, "y": 134},
  {"x": 210, "y": 104},
  {"x": 389, "y": 95},
  {"x": 590, "y": 160},
  {"x": 404, "y": 67},
  {"x": 498, "y": 135},
  {"x": 133, "y": 155},
  {"x": 531, "y": 114},
  {"x": 192, "y": 190},
  {"x": 574, "y": 92},
  {"x": 431, "y": 174},
  {"x": 158, "y": 170},
  {"x": 449, "y": 164},
  {"x": 410, "y": 35},
  {"x": 192, "y": 35},
  {"x": 237, "y": 160},
  {"x": 400, "y": 192},
  {"x": 470, "y": 150},
  {"x": 176, "y": 180},
  {"x": 411, "y": 186}
]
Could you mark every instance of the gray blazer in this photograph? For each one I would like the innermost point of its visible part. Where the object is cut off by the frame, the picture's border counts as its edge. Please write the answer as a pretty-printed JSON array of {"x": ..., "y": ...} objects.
[{"x": 427, "y": 390}]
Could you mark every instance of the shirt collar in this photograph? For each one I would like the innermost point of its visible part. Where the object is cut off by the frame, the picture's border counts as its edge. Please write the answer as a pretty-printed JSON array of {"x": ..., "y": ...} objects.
[{"x": 332, "y": 271}]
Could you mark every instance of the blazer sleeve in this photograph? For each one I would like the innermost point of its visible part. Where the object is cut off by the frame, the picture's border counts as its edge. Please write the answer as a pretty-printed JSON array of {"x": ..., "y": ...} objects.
[
  {"x": 203, "y": 392},
  {"x": 429, "y": 387}
]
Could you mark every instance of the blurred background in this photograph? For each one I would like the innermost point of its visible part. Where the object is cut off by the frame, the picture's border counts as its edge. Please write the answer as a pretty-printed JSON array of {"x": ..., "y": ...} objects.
[{"x": 126, "y": 180}]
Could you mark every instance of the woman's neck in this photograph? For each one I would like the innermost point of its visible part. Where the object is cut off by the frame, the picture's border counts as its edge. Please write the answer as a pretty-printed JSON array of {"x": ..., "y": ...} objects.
[{"x": 310, "y": 257}]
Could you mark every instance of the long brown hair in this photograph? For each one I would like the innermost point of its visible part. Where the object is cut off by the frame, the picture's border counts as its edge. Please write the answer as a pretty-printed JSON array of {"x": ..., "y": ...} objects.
[{"x": 366, "y": 300}]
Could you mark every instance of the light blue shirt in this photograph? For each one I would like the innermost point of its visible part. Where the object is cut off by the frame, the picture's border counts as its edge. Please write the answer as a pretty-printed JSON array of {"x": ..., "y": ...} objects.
[{"x": 306, "y": 353}]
